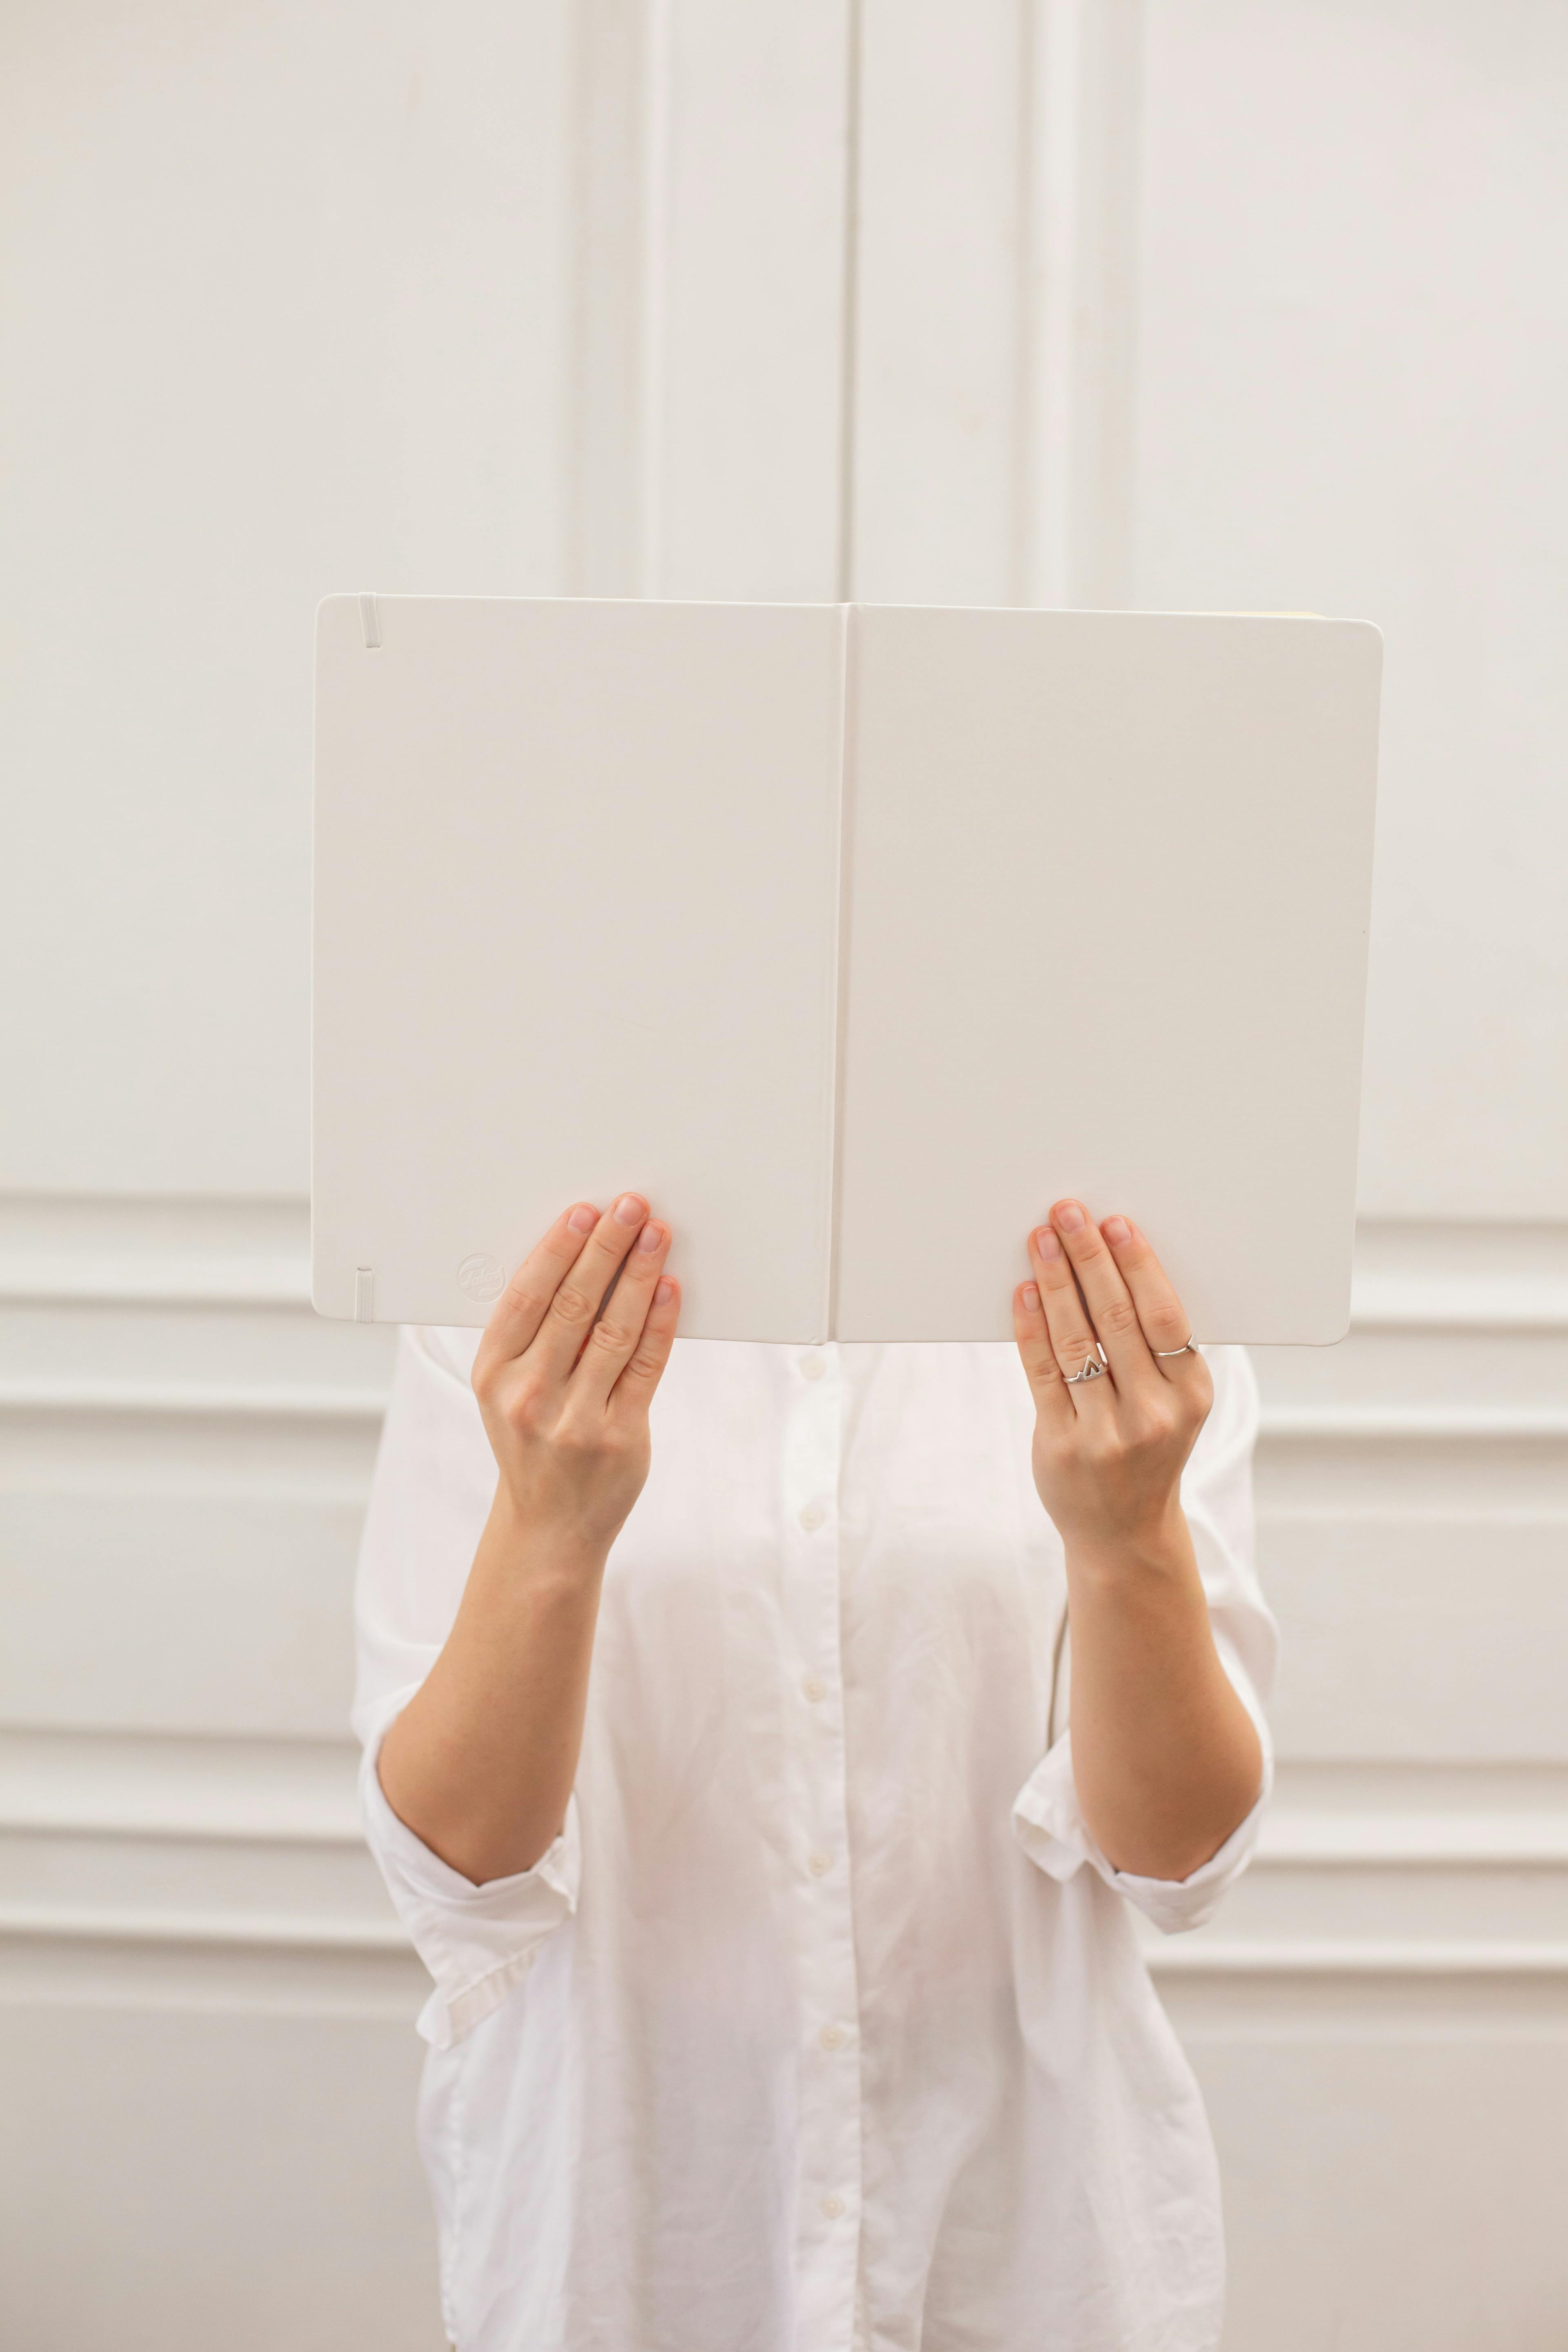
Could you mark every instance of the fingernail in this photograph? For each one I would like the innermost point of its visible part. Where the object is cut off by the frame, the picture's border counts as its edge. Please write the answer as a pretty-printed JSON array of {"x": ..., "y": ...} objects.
[
  {"x": 1117, "y": 1231},
  {"x": 650, "y": 1236},
  {"x": 630, "y": 1210},
  {"x": 584, "y": 1220},
  {"x": 1031, "y": 1296},
  {"x": 1048, "y": 1245},
  {"x": 663, "y": 1291},
  {"x": 1068, "y": 1216}
]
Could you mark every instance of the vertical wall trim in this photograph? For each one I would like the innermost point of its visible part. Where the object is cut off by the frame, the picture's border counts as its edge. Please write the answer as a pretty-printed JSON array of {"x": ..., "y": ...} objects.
[
  {"x": 1081, "y": 69},
  {"x": 1020, "y": 426},
  {"x": 848, "y": 737},
  {"x": 658, "y": 99},
  {"x": 1105, "y": 308},
  {"x": 576, "y": 552},
  {"x": 1047, "y": 337},
  {"x": 849, "y": 335},
  {"x": 602, "y": 357}
]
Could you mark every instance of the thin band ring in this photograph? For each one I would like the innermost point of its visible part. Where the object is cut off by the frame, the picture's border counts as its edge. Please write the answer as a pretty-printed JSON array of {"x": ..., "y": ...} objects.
[{"x": 1188, "y": 1344}]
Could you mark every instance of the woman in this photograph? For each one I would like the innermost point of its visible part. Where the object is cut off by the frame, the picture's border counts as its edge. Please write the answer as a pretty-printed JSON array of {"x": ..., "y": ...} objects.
[{"x": 787, "y": 1992}]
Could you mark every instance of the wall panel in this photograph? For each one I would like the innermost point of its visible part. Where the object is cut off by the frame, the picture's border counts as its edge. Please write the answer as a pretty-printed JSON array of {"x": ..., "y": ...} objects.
[
  {"x": 743, "y": 299},
  {"x": 314, "y": 2239},
  {"x": 282, "y": 314},
  {"x": 1353, "y": 361},
  {"x": 940, "y": 231},
  {"x": 1047, "y": 301},
  {"x": 1221, "y": 350}
]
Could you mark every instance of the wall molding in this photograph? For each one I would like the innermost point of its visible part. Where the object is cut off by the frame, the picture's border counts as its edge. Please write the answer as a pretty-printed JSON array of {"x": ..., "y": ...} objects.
[
  {"x": 1430, "y": 1424},
  {"x": 107, "y": 1305},
  {"x": 1415, "y": 1274},
  {"x": 187, "y": 1400},
  {"x": 1369, "y": 1424},
  {"x": 211, "y": 1789},
  {"x": 1358, "y": 1956},
  {"x": 256, "y": 1931},
  {"x": 44, "y": 1278}
]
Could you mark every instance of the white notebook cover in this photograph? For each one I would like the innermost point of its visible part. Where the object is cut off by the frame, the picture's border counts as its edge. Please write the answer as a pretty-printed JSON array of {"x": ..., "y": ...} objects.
[
  {"x": 1107, "y": 936},
  {"x": 576, "y": 885},
  {"x": 853, "y": 937}
]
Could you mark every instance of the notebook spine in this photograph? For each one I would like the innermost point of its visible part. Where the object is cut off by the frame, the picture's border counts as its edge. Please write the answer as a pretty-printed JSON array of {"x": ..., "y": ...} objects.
[{"x": 847, "y": 740}]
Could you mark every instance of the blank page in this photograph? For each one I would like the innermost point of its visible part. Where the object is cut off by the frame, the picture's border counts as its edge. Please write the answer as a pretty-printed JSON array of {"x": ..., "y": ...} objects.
[
  {"x": 1107, "y": 936},
  {"x": 575, "y": 900}
]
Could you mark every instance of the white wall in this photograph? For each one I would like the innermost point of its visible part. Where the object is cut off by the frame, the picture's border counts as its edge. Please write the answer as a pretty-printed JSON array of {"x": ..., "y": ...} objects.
[{"x": 1185, "y": 303}]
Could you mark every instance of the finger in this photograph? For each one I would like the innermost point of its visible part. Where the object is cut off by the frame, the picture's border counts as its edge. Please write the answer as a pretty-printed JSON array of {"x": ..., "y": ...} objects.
[
  {"x": 609, "y": 1345},
  {"x": 572, "y": 1312},
  {"x": 1107, "y": 1297},
  {"x": 642, "y": 1375},
  {"x": 1066, "y": 1319},
  {"x": 520, "y": 1309},
  {"x": 1041, "y": 1368},
  {"x": 1160, "y": 1311}
]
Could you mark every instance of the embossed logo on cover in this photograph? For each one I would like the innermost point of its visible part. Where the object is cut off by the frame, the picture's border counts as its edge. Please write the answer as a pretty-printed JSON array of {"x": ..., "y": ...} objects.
[{"x": 481, "y": 1277}]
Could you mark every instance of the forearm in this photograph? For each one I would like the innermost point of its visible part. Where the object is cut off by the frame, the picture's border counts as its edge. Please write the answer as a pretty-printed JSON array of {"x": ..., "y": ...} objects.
[
  {"x": 1166, "y": 1760},
  {"x": 481, "y": 1761}
]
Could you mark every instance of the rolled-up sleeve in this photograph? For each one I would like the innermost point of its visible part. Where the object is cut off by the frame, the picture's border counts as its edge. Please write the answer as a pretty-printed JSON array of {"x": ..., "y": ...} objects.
[
  {"x": 429, "y": 1498},
  {"x": 1217, "y": 1495}
]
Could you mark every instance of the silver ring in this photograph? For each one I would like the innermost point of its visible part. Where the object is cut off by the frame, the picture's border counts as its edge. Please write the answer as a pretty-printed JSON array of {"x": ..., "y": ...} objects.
[
  {"x": 1189, "y": 1343},
  {"x": 1091, "y": 1370}
]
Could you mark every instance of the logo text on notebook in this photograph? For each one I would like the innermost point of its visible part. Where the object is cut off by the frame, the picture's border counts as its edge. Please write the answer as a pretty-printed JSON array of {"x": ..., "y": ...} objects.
[{"x": 481, "y": 1277}]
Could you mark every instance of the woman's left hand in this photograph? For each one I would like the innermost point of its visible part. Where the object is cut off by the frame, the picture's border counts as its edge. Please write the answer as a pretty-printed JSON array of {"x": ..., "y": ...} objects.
[
  {"x": 1110, "y": 1450},
  {"x": 1165, "y": 1759}
]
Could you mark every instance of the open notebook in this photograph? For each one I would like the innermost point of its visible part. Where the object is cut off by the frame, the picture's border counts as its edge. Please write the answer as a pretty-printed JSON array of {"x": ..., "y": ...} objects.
[{"x": 853, "y": 936}]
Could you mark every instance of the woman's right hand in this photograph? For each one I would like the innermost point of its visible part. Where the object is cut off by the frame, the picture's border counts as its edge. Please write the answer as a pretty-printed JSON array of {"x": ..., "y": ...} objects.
[
  {"x": 481, "y": 1763},
  {"x": 563, "y": 1388}
]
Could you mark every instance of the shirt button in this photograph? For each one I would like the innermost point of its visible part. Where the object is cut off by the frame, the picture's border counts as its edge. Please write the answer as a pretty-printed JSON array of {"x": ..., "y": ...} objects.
[
  {"x": 812, "y": 1368},
  {"x": 820, "y": 1865},
  {"x": 814, "y": 1688},
  {"x": 831, "y": 2036},
  {"x": 832, "y": 2206},
  {"x": 811, "y": 1518}
]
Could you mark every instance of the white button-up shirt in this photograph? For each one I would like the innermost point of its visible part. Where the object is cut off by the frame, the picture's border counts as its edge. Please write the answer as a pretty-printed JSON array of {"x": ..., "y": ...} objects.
[{"x": 823, "y": 2026}]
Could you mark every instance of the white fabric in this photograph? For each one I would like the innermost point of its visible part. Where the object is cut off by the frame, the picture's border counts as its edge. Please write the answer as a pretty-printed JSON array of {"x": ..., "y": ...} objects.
[{"x": 823, "y": 2027}]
